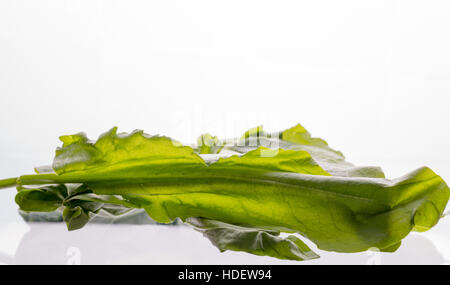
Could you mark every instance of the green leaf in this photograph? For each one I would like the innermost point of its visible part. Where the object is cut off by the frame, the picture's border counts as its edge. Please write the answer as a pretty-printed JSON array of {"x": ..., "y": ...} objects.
[
  {"x": 78, "y": 202},
  {"x": 277, "y": 160},
  {"x": 298, "y": 138},
  {"x": 338, "y": 214},
  {"x": 78, "y": 153},
  {"x": 299, "y": 135},
  {"x": 75, "y": 217},
  {"x": 47, "y": 199},
  {"x": 252, "y": 240},
  {"x": 276, "y": 183},
  {"x": 208, "y": 144},
  {"x": 426, "y": 216},
  {"x": 254, "y": 132}
]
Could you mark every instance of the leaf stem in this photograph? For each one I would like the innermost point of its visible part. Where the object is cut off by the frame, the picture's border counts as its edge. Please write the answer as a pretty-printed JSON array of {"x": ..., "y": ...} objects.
[
  {"x": 37, "y": 179},
  {"x": 9, "y": 182}
]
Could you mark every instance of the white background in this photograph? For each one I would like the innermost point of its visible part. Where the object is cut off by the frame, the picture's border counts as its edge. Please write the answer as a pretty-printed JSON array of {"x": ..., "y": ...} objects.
[{"x": 371, "y": 77}]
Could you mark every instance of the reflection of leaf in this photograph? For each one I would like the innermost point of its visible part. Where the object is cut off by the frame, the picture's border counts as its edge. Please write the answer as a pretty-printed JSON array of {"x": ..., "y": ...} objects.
[
  {"x": 252, "y": 240},
  {"x": 54, "y": 216}
]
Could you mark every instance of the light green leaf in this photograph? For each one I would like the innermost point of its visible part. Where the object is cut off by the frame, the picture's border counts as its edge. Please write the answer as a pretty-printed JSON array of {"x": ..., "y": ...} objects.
[
  {"x": 78, "y": 153},
  {"x": 276, "y": 183},
  {"x": 338, "y": 214},
  {"x": 298, "y": 138},
  {"x": 208, "y": 144},
  {"x": 276, "y": 160},
  {"x": 254, "y": 132}
]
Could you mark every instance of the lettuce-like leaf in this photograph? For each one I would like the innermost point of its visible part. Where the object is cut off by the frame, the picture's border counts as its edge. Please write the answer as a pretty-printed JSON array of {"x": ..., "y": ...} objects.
[
  {"x": 281, "y": 182},
  {"x": 298, "y": 138}
]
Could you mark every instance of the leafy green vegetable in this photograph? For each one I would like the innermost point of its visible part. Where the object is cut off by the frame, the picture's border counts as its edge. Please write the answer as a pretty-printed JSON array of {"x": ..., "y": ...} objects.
[
  {"x": 209, "y": 144},
  {"x": 253, "y": 240},
  {"x": 77, "y": 202},
  {"x": 297, "y": 138},
  {"x": 281, "y": 182}
]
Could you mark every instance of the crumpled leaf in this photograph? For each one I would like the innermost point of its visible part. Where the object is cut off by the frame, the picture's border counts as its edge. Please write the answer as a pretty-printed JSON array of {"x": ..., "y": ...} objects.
[
  {"x": 76, "y": 201},
  {"x": 252, "y": 240},
  {"x": 75, "y": 217},
  {"x": 79, "y": 153}
]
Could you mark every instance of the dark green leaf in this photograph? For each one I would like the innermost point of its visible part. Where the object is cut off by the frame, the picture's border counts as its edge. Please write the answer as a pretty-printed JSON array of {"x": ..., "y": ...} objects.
[
  {"x": 75, "y": 218},
  {"x": 252, "y": 240},
  {"x": 47, "y": 199}
]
